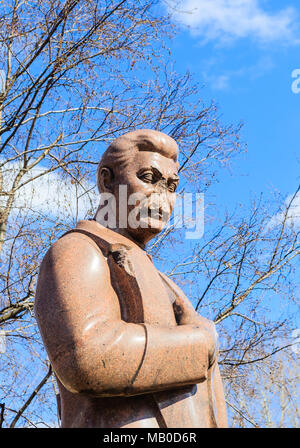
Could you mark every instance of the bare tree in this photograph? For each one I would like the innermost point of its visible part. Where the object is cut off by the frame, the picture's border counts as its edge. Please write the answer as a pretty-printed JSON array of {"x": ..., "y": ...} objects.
[
  {"x": 78, "y": 74},
  {"x": 243, "y": 275}
]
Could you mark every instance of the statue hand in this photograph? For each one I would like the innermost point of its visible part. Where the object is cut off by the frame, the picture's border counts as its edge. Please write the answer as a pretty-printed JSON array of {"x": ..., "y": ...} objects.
[{"x": 186, "y": 315}]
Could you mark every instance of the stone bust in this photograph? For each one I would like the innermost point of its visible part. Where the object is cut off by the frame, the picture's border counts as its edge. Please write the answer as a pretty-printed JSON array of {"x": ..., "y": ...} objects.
[{"x": 126, "y": 345}]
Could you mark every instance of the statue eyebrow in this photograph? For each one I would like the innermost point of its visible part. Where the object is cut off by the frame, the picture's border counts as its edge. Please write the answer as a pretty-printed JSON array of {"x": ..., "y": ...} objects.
[{"x": 157, "y": 172}]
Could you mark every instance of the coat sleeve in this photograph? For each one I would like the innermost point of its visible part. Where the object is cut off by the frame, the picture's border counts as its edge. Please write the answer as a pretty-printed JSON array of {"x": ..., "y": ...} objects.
[
  {"x": 92, "y": 350},
  {"x": 218, "y": 393}
]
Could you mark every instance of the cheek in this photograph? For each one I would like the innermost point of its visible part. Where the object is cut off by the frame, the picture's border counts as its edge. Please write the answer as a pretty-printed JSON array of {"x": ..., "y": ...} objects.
[{"x": 137, "y": 186}]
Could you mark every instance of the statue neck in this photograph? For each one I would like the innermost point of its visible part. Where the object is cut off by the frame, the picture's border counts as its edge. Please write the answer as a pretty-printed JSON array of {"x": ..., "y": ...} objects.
[{"x": 123, "y": 232}]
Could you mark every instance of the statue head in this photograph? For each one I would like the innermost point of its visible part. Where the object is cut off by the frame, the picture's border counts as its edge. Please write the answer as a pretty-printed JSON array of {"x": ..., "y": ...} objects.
[{"x": 144, "y": 163}]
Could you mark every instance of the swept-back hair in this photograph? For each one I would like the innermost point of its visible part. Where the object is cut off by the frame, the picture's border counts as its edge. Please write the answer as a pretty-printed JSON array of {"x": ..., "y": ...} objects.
[{"x": 123, "y": 149}]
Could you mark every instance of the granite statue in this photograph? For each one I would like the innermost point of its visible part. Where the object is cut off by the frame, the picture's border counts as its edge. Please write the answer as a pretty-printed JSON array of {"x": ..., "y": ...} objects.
[{"x": 127, "y": 347}]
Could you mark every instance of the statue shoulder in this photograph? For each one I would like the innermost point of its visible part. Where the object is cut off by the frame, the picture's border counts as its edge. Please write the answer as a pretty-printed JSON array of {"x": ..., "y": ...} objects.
[
  {"x": 74, "y": 252},
  {"x": 73, "y": 269}
]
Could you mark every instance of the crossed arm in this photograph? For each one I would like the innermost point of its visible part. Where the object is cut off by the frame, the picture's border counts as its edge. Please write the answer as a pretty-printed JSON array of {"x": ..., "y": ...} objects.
[{"x": 92, "y": 350}]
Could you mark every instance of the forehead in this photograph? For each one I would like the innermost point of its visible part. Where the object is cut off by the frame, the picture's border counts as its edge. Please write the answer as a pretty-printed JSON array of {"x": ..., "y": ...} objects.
[{"x": 147, "y": 159}]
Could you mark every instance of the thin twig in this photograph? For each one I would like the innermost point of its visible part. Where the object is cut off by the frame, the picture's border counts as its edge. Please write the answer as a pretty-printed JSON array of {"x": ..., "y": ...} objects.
[
  {"x": 34, "y": 393},
  {"x": 242, "y": 415}
]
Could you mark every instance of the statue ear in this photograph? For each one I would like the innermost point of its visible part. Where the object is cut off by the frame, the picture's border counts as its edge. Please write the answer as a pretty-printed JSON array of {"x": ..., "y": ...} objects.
[{"x": 105, "y": 179}]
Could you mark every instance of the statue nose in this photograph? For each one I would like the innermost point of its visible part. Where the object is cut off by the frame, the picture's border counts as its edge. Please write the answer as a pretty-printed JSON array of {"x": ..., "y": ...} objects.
[
  {"x": 162, "y": 186},
  {"x": 159, "y": 200}
]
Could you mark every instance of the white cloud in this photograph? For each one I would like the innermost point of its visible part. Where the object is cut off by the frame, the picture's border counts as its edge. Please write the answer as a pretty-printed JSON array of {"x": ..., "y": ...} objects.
[
  {"x": 224, "y": 80},
  {"x": 293, "y": 217},
  {"x": 50, "y": 194},
  {"x": 220, "y": 82},
  {"x": 233, "y": 19}
]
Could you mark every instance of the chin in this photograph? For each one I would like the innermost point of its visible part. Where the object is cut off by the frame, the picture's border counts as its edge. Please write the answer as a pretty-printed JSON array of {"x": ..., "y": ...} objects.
[
  {"x": 152, "y": 225},
  {"x": 147, "y": 230}
]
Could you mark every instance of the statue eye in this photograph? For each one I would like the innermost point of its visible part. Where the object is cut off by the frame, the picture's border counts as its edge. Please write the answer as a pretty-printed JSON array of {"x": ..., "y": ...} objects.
[
  {"x": 172, "y": 187},
  {"x": 147, "y": 177}
]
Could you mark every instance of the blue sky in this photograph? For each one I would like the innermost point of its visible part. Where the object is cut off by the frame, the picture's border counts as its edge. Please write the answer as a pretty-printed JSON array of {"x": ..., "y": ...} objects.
[
  {"x": 244, "y": 52},
  {"x": 247, "y": 70}
]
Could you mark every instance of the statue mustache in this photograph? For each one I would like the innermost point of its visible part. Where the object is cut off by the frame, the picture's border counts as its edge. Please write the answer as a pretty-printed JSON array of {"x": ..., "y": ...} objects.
[{"x": 155, "y": 204}]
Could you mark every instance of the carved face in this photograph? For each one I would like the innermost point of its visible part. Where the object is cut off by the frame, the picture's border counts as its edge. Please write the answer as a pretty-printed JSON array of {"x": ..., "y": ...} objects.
[{"x": 151, "y": 181}]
